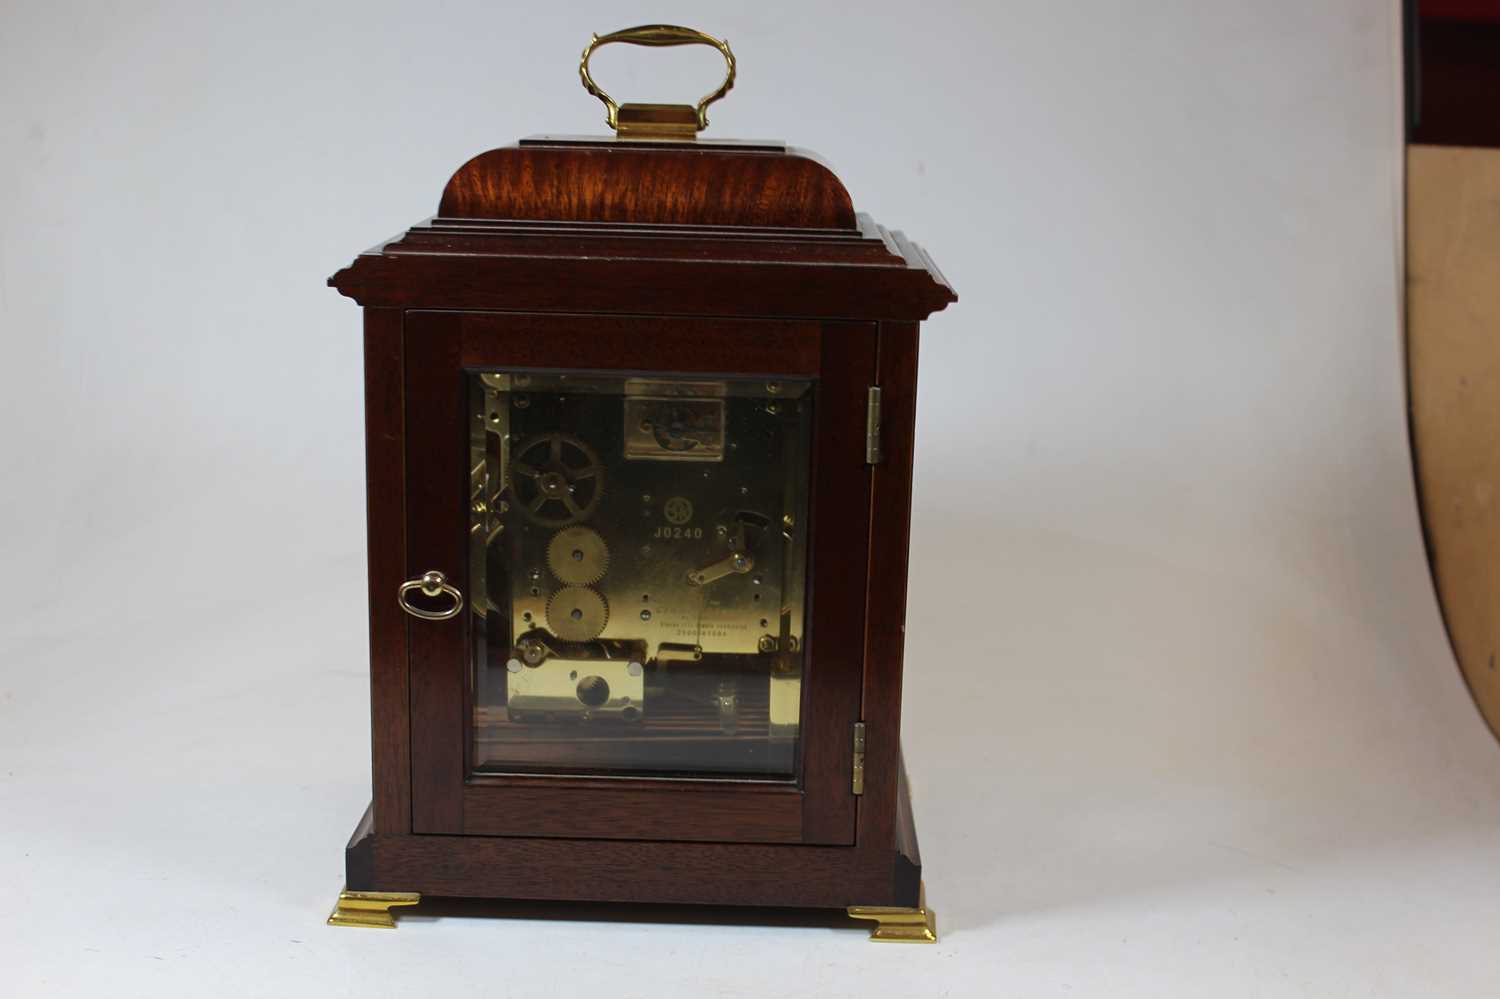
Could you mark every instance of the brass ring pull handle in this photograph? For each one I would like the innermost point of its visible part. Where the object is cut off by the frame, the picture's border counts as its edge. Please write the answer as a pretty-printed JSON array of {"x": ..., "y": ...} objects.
[
  {"x": 432, "y": 584},
  {"x": 657, "y": 121}
]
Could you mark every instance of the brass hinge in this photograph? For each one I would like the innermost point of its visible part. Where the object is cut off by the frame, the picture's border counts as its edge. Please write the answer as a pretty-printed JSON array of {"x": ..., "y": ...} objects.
[
  {"x": 859, "y": 757},
  {"x": 872, "y": 426}
]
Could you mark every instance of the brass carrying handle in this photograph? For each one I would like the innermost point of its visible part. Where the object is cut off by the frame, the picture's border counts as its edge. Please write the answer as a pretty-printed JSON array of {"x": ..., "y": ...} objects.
[
  {"x": 657, "y": 35},
  {"x": 432, "y": 584}
]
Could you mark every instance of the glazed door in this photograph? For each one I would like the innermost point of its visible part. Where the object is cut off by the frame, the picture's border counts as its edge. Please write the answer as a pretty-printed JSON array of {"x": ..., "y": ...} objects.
[{"x": 654, "y": 533}]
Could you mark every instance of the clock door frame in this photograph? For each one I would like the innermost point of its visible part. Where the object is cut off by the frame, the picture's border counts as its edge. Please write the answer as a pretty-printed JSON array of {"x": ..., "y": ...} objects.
[{"x": 447, "y": 797}]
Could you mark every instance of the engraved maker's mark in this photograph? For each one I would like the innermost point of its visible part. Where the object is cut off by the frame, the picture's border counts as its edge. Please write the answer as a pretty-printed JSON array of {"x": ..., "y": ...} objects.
[{"x": 678, "y": 510}]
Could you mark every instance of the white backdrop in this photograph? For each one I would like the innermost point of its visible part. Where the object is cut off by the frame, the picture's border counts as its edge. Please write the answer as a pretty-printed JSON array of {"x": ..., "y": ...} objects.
[{"x": 1182, "y": 719}]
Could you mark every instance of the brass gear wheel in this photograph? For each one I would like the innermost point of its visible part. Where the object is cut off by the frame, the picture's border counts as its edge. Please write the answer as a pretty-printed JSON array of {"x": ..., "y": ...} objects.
[
  {"x": 578, "y": 556},
  {"x": 556, "y": 479},
  {"x": 577, "y": 614}
]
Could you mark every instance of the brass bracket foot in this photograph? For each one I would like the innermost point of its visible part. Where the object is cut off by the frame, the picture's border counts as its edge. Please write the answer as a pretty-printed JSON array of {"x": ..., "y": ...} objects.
[
  {"x": 370, "y": 908},
  {"x": 899, "y": 924}
]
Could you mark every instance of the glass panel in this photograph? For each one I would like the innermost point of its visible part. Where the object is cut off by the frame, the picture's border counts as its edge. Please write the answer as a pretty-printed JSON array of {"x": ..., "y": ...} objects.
[{"x": 638, "y": 564}]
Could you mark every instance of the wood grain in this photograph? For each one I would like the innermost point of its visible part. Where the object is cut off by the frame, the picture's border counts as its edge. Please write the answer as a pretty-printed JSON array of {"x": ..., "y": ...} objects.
[
  {"x": 838, "y": 556},
  {"x": 707, "y": 286},
  {"x": 624, "y": 871},
  {"x": 699, "y": 184},
  {"x": 701, "y": 811},
  {"x": 385, "y": 522},
  {"x": 885, "y": 635},
  {"x": 437, "y": 476},
  {"x": 706, "y": 346},
  {"x": 906, "y": 881}
]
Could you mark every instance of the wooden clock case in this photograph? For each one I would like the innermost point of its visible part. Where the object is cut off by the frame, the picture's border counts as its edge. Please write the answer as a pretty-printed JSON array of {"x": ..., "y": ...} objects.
[{"x": 617, "y": 255}]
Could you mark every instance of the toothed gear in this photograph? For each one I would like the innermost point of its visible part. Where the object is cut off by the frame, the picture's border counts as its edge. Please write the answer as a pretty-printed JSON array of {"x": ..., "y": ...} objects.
[
  {"x": 578, "y": 556},
  {"x": 577, "y": 614},
  {"x": 556, "y": 479}
]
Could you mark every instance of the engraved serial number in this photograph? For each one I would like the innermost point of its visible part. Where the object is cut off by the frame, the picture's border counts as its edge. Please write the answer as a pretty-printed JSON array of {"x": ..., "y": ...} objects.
[{"x": 678, "y": 533}]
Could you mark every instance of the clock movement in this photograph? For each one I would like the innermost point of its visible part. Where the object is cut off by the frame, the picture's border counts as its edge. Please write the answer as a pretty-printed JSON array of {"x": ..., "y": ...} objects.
[{"x": 639, "y": 426}]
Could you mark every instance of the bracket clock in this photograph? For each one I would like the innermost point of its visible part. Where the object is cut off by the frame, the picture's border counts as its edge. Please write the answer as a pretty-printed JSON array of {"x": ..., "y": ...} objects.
[{"x": 639, "y": 425}]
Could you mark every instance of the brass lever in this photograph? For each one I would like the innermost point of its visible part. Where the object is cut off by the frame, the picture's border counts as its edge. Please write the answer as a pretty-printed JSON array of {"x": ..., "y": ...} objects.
[{"x": 731, "y": 563}]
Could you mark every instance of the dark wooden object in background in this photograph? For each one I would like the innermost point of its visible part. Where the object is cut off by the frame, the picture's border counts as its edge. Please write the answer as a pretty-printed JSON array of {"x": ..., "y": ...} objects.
[
  {"x": 732, "y": 258},
  {"x": 1453, "y": 72},
  {"x": 1452, "y": 310}
]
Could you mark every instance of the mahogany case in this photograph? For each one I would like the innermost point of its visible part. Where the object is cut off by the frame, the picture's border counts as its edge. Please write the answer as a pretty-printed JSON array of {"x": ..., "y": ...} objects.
[{"x": 643, "y": 256}]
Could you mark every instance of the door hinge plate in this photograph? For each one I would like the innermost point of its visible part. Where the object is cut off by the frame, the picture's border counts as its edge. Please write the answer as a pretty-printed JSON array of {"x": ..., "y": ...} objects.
[
  {"x": 872, "y": 426},
  {"x": 859, "y": 757}
]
